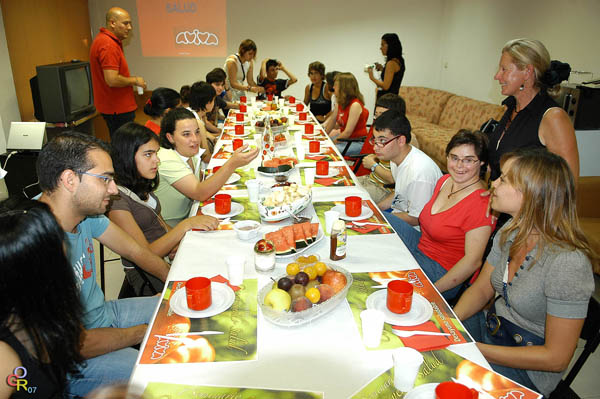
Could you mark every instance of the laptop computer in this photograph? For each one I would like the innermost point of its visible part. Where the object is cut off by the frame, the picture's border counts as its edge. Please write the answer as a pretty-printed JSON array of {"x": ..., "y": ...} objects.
[{"x": 26, "y": 136}]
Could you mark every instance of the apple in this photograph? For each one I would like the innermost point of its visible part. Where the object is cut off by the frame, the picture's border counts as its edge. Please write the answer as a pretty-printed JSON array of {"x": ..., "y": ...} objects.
[
  {"x": 300, "y": 304},
  {"x": 278, "y": 299},
  {"x": 296, "y": 291},
  {"x": 336, "y": 280},
  {"x": 326, "y": 292}
]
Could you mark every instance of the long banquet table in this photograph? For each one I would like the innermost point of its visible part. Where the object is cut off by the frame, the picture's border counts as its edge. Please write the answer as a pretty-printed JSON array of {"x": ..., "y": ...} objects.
[{"x": 326, "y": 355}]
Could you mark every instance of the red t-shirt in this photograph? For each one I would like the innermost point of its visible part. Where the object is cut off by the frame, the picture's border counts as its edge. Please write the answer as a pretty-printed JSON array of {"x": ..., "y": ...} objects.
[
  {"x": 153, "y": 126},
  {"x": 443, "y": 234},
  {"x": 367, "y": 148},
  {"x": 107, "y": 53},
  {"x": 361, "y": 126}
]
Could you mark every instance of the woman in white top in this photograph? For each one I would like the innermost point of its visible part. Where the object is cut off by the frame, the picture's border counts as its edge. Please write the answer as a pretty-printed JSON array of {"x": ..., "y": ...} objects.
[{"x": 240, "y": 70}]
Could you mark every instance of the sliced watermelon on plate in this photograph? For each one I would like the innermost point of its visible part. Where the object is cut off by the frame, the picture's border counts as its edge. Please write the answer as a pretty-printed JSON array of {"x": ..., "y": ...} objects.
[
  {"x": 281, "y": 245},
  {"x": 307, "y": 232},
  {"x": 299, "y": 236},
  {"x": 288, "y": 233},
  {"x": 314, "y": 228}
]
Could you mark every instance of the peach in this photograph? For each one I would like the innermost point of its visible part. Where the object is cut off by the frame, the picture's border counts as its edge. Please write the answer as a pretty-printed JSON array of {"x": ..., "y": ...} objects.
[
  {"x": 326, "y": 292},
  {"x": 300, "y": 304},
  {"x": 336, "y": 280}
]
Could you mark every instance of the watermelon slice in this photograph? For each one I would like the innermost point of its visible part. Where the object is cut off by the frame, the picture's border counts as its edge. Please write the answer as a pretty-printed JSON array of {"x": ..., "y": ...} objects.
[
  {"x": 299, "y": 236},
  {"x": 307, "y": 232},
  {"x": 281, "y": 245},
  {"x": 314, "y": 227},
  {"x": 288, "y": 233}
]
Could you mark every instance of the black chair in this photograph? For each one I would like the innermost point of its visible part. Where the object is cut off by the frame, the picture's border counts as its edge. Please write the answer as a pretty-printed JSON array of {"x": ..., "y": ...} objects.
[
  {"x": 102, "y": 262},
  {"x": 591, "y": 334},
  {"x": 349, "y": 142},
  {"x": 128, "y": 291}
]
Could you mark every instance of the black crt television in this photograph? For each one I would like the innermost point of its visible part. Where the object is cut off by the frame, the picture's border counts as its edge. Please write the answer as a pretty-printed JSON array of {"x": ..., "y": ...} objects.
[{"x": 62, "y": 92}]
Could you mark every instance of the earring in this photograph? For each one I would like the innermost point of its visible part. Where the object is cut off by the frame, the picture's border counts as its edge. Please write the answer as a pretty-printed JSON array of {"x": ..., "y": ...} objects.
[{"x": 522, "y": 87}]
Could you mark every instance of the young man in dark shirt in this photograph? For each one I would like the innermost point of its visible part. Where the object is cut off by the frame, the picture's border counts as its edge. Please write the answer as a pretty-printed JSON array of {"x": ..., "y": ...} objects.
[{"x": 268, "y": 77}]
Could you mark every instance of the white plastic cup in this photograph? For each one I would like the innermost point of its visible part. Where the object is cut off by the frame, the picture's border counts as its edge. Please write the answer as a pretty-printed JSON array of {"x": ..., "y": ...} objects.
[
  {"x": 253, "y": 187},
  {"x": 140, "y": 90},
  {"x": 235, "y": 269},
  {"x": 291, "y": 119},
  {"x": 252, "y": 97},
  {"x": 330, "y": 218},
  {"x": 309, "y": 175},
  {"x": 281, "y": 102},
  {"x": 407, "y": 362},
  {"x": 372, "y": 327}
]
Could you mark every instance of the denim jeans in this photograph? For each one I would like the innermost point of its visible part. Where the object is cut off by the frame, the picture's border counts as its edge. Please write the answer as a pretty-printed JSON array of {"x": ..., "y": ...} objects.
[
  {"x": 475, "y": 325},
  {"x": 410, "y": 236},
  {"x": 114, "y": 367}
]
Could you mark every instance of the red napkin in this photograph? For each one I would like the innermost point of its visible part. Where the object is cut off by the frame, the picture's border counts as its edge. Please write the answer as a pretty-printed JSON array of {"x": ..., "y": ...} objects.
[
  {"x": 315, "y": 157},
  {"x": 364, "y": 229},
  {"x": 220, "y": 279},
  {"x": 326, "y": 181},
  {"x": 424, "y": 343}
]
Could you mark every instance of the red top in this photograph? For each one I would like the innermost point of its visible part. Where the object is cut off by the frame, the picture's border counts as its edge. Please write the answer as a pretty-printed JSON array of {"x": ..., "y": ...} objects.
[
  {"x": 443, "y": 234},
  {"x": 367, "y": 148},
  {"x": 361, "y": 126},
  {"x": 107, "y": 53},
  {"x": 153, "y": 126}
]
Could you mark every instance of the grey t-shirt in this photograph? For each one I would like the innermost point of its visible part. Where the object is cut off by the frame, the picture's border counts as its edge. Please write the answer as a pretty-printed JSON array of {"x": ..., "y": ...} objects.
[{"x": 559, "y": 283}]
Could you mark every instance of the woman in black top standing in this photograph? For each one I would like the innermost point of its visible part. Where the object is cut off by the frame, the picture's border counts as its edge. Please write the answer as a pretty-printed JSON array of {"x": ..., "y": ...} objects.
[
  {"x": 532, "y": 118},
  {"x": 393, "y": 70},
  {"x": 315, "y": 94}
]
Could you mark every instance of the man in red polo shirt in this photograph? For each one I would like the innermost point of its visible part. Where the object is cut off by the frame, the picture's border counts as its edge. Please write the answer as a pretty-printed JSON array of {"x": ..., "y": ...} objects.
[{"x": 113, "y": 85}]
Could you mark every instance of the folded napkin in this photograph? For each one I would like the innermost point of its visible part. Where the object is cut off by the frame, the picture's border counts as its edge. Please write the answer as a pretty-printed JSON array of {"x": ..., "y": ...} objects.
[
  {"x": 424, "y": 343},
  {"x": 326, "y": 181},
  {"x": 315, "y": 157},
  {"x": 220, "y": 279},
  {"x": 364, "y": 229}
]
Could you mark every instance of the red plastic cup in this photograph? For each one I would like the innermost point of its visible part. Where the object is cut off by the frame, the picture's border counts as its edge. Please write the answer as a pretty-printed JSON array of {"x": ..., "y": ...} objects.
[
  {"x": 216, "y": 168},
  {"x": 198, "y": 293},
  {"x": 302, "y": 115},
  {"x": 239, "y": 130},
  {"x": 239, "y": 117},
  {"x": 292, "y": 100},
  {"x": 237, "y": 143},
  {"x": 299, "y": 107},
  {"x": 222, "y": 204},
  {"x": 269, "y": 97},
  {"x": 243, "y": 99},
  {"x": 309, "y": 128},
  {"x": 454, "y": 390},
  {"x": 322, "y": 168},
  {"x": 314, "y": 146},
  {"x": 243, "y": 108},
  {"x": 399, "y": 296}
]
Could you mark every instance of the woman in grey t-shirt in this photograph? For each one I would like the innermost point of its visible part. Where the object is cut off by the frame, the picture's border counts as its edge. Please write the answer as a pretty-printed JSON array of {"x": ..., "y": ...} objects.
[{"x": 539, "y": 272}]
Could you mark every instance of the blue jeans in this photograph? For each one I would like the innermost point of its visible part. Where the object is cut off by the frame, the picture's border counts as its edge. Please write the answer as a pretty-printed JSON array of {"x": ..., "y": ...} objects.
[
  {"x": 411, "y": 238},
  {"x": 114, "y": 367},
  {"x": 475, "y": 325}
]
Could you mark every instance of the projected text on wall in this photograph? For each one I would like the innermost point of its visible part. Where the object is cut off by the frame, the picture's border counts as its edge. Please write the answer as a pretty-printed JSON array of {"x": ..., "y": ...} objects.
[{"x": 183, "y": 28}]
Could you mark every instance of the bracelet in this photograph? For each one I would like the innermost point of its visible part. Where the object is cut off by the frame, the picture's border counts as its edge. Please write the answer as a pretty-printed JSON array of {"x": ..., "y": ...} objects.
[{"x": 375, "y": 165}]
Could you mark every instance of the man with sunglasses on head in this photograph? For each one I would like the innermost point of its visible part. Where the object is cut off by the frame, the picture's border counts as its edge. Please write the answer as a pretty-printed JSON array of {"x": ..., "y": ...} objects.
[
  {"x": 75, "y": 174},
  {"x": 415, "y": 174}
]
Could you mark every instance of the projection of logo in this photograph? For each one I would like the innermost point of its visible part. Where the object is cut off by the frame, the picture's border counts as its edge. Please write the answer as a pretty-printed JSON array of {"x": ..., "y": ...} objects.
[{"x": 197, "y": 38}]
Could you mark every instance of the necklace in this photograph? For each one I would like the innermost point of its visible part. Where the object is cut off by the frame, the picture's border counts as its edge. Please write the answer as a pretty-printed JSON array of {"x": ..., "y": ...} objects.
[{"x": 460, "y": 189}]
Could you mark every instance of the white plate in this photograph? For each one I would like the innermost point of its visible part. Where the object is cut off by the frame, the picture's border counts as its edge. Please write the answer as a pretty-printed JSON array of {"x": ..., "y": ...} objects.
[
  {"x": 236, "y": 209},
  {"x": 333, "y": 171},
  {"x": 222, "y": 299},
  {"x": 365, "y": 213},
  {"x": 233, "y": 178},
  {"x": 231, "y": 132},
  {"x": 320, "y": 236},
  {"x": 425, "y": 391},
  {"x": 420, "y": 311}
]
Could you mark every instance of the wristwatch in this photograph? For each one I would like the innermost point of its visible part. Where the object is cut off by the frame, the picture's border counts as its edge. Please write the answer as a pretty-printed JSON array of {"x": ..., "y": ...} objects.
[{"x": 375, "y": 165}]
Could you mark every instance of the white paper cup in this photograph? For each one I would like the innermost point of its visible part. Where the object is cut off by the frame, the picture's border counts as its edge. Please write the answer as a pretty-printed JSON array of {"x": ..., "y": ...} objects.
[
  {"x": 309, "y": 175},
  {"x": 253, "y": 187},
  {"x": 281, "y": 102},
  {"x": 372, "y": 327},
  {"x": 291, "y": 119},
  {"x": 140, "y": 90},
  {"x": 235, "y": 269},
  {"x": 407, "y": 362},
  {"x": 330, "y": 218}
]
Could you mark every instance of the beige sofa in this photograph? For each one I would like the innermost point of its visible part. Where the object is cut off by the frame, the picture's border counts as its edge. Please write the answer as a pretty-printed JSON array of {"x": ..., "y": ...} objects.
[{"x": 436, "y": 115}]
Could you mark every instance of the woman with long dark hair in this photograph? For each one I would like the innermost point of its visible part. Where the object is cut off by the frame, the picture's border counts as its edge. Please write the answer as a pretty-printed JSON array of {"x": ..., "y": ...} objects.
[
  {"x": 162, "y": 100},
  {"x": 40, "y": 307},
  {"x": 137, "y": 210},
  {"x": 393, "y": 70}
]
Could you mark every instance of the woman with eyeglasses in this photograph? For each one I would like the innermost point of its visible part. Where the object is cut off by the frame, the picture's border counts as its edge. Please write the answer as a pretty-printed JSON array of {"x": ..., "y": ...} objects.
[
  {"x": 454, "y": 226},
  {"x": 539, "y": 270},
  {"x": 137, "y": 210},
  {"x": 40, "y": 306}
]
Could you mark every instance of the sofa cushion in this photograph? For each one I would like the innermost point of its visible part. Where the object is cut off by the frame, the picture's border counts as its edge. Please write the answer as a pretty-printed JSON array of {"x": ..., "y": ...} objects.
[
  {"x": 465, "y": 113},
  {"x": 433, "y": 140},
  {"x": 424, "y": 102}
]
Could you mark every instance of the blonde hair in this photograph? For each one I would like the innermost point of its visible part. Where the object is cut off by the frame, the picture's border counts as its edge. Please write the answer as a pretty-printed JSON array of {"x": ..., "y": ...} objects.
[
  {"x": 348, "y": 89},
  {"x": 549, "y": 209}
]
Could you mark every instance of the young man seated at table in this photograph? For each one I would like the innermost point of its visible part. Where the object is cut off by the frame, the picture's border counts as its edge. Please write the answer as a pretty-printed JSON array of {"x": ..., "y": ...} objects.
[
  {"x": 267, "y": 77},
  {"x": 217, "y": 78},
  {"x": 75, "y": 174},
  {"x": 415, "y": 174}
]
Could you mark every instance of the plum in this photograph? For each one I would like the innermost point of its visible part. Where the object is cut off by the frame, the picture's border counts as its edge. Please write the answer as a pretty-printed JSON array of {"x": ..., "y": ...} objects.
[
  {"x": 301, "y": 278},
  {"x": 300, "y": 304},
  {"x": 285, "y": 283}
]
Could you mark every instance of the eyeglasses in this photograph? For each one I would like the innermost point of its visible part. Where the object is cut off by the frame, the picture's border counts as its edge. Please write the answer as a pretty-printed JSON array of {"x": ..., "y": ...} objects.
[
  {"x": 105, "y": 179},
  {"x": 469, "y": 161},
  {"x": 382, "y": 143}
]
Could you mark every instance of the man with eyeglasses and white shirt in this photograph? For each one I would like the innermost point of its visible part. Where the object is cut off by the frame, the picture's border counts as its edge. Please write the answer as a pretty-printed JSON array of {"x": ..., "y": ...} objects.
[
  {"x": 415, "y": 174},
  {"x": 75, "y": 174}
]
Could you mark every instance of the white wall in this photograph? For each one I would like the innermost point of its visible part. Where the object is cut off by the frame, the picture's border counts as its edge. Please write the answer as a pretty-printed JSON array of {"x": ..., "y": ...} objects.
[{"x": 9, "y": 107}]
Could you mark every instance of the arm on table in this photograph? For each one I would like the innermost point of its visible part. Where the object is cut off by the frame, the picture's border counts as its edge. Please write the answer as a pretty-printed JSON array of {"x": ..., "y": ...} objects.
[
  {"x": 475, "y": 243},
  {"x": 113, "y": 79},
  {"x": 99, "y": 341}
]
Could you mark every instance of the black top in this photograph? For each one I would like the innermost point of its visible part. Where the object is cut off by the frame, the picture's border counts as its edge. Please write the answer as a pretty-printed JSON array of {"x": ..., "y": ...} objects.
[
  {"x": 396, "y": 81},
  {"x": 320, "y": 106},
  {"x": 522, "y": 132},
  {"x": 41, "y": 381},
  {"x": 274, "y": 87}
]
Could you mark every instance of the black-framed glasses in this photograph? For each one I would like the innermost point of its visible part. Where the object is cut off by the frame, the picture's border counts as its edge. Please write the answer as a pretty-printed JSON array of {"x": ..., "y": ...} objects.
[
  {"x": 382, "y": 143},
  {"x": 105, "y": 179}
]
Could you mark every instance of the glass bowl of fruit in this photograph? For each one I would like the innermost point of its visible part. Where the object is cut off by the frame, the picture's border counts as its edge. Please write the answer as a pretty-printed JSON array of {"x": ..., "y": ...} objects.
[{"x": 304, "y": 294}]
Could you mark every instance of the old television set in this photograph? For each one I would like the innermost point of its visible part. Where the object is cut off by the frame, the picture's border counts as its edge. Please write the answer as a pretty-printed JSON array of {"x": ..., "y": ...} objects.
[{"x": 62, "y": 92}]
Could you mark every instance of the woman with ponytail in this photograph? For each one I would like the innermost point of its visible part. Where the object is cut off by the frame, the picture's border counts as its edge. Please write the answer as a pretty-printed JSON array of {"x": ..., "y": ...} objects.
[{"x": 162, "y": 100}]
